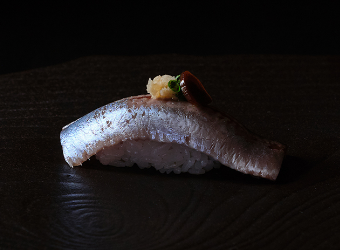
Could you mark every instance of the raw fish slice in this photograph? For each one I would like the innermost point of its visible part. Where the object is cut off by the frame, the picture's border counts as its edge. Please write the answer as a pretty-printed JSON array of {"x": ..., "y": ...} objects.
[{"x": 201, "y": 128}]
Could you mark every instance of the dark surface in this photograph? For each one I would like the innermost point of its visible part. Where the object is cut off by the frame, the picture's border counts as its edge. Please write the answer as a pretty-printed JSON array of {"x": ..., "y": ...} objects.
[{"x": 47, "y": 205}]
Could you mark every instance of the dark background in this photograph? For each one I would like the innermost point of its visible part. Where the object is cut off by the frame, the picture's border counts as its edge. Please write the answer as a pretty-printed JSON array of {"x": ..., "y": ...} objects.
[{"x": 34, "y": 36}]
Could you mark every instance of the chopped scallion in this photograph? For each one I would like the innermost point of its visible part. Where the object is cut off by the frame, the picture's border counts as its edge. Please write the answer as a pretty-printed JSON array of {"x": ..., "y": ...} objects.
[{"x": 174, "y": 86}]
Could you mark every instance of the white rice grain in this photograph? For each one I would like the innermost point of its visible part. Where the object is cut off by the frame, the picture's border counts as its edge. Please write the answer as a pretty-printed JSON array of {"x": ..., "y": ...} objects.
[{"x": 165, "y": 157}]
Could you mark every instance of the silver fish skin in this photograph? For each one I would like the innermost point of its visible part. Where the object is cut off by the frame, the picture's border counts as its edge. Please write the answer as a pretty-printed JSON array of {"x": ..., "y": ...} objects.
[{"x": 202, "y": 128}]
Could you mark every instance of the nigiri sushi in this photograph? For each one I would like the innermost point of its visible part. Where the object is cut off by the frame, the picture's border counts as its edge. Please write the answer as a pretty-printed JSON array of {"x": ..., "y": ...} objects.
[{"x": 170, "y": 134}]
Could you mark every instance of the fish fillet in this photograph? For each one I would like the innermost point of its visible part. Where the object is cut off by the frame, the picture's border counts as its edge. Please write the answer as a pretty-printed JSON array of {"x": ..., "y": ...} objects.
[{"x": 201, "y": 128}]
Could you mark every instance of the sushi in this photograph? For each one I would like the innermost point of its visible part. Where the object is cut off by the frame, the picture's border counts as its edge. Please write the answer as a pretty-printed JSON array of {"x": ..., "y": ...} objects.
[{"x": 167, "y": 132}]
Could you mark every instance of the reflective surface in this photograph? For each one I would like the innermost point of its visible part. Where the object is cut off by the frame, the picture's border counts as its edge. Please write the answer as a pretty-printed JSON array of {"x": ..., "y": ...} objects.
[{"x": 47, "y": 204}]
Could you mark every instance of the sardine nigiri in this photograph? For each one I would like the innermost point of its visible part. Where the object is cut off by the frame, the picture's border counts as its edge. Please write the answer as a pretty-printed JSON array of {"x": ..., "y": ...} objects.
[{"x": 201, "y": 128}]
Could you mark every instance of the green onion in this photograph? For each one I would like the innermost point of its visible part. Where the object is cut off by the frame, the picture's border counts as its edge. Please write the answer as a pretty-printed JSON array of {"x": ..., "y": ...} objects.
[{"x": 174, "y": 86}]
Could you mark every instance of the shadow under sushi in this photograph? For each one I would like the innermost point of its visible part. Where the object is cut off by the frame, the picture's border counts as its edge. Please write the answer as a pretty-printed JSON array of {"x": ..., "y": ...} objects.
[{"x": 292, "y": 169}]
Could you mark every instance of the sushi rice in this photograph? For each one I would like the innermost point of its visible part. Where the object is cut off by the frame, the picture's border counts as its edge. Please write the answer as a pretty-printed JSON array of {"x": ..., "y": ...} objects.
[{"x": 165, "y": 157}]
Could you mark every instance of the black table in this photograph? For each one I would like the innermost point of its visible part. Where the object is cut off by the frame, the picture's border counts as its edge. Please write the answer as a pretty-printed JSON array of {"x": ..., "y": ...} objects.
[{"x": 45, "y": 204}]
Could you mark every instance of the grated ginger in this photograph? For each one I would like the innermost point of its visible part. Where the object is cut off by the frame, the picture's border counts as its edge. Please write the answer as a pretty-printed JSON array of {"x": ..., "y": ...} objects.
[{"x": 158, "y": 87}]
